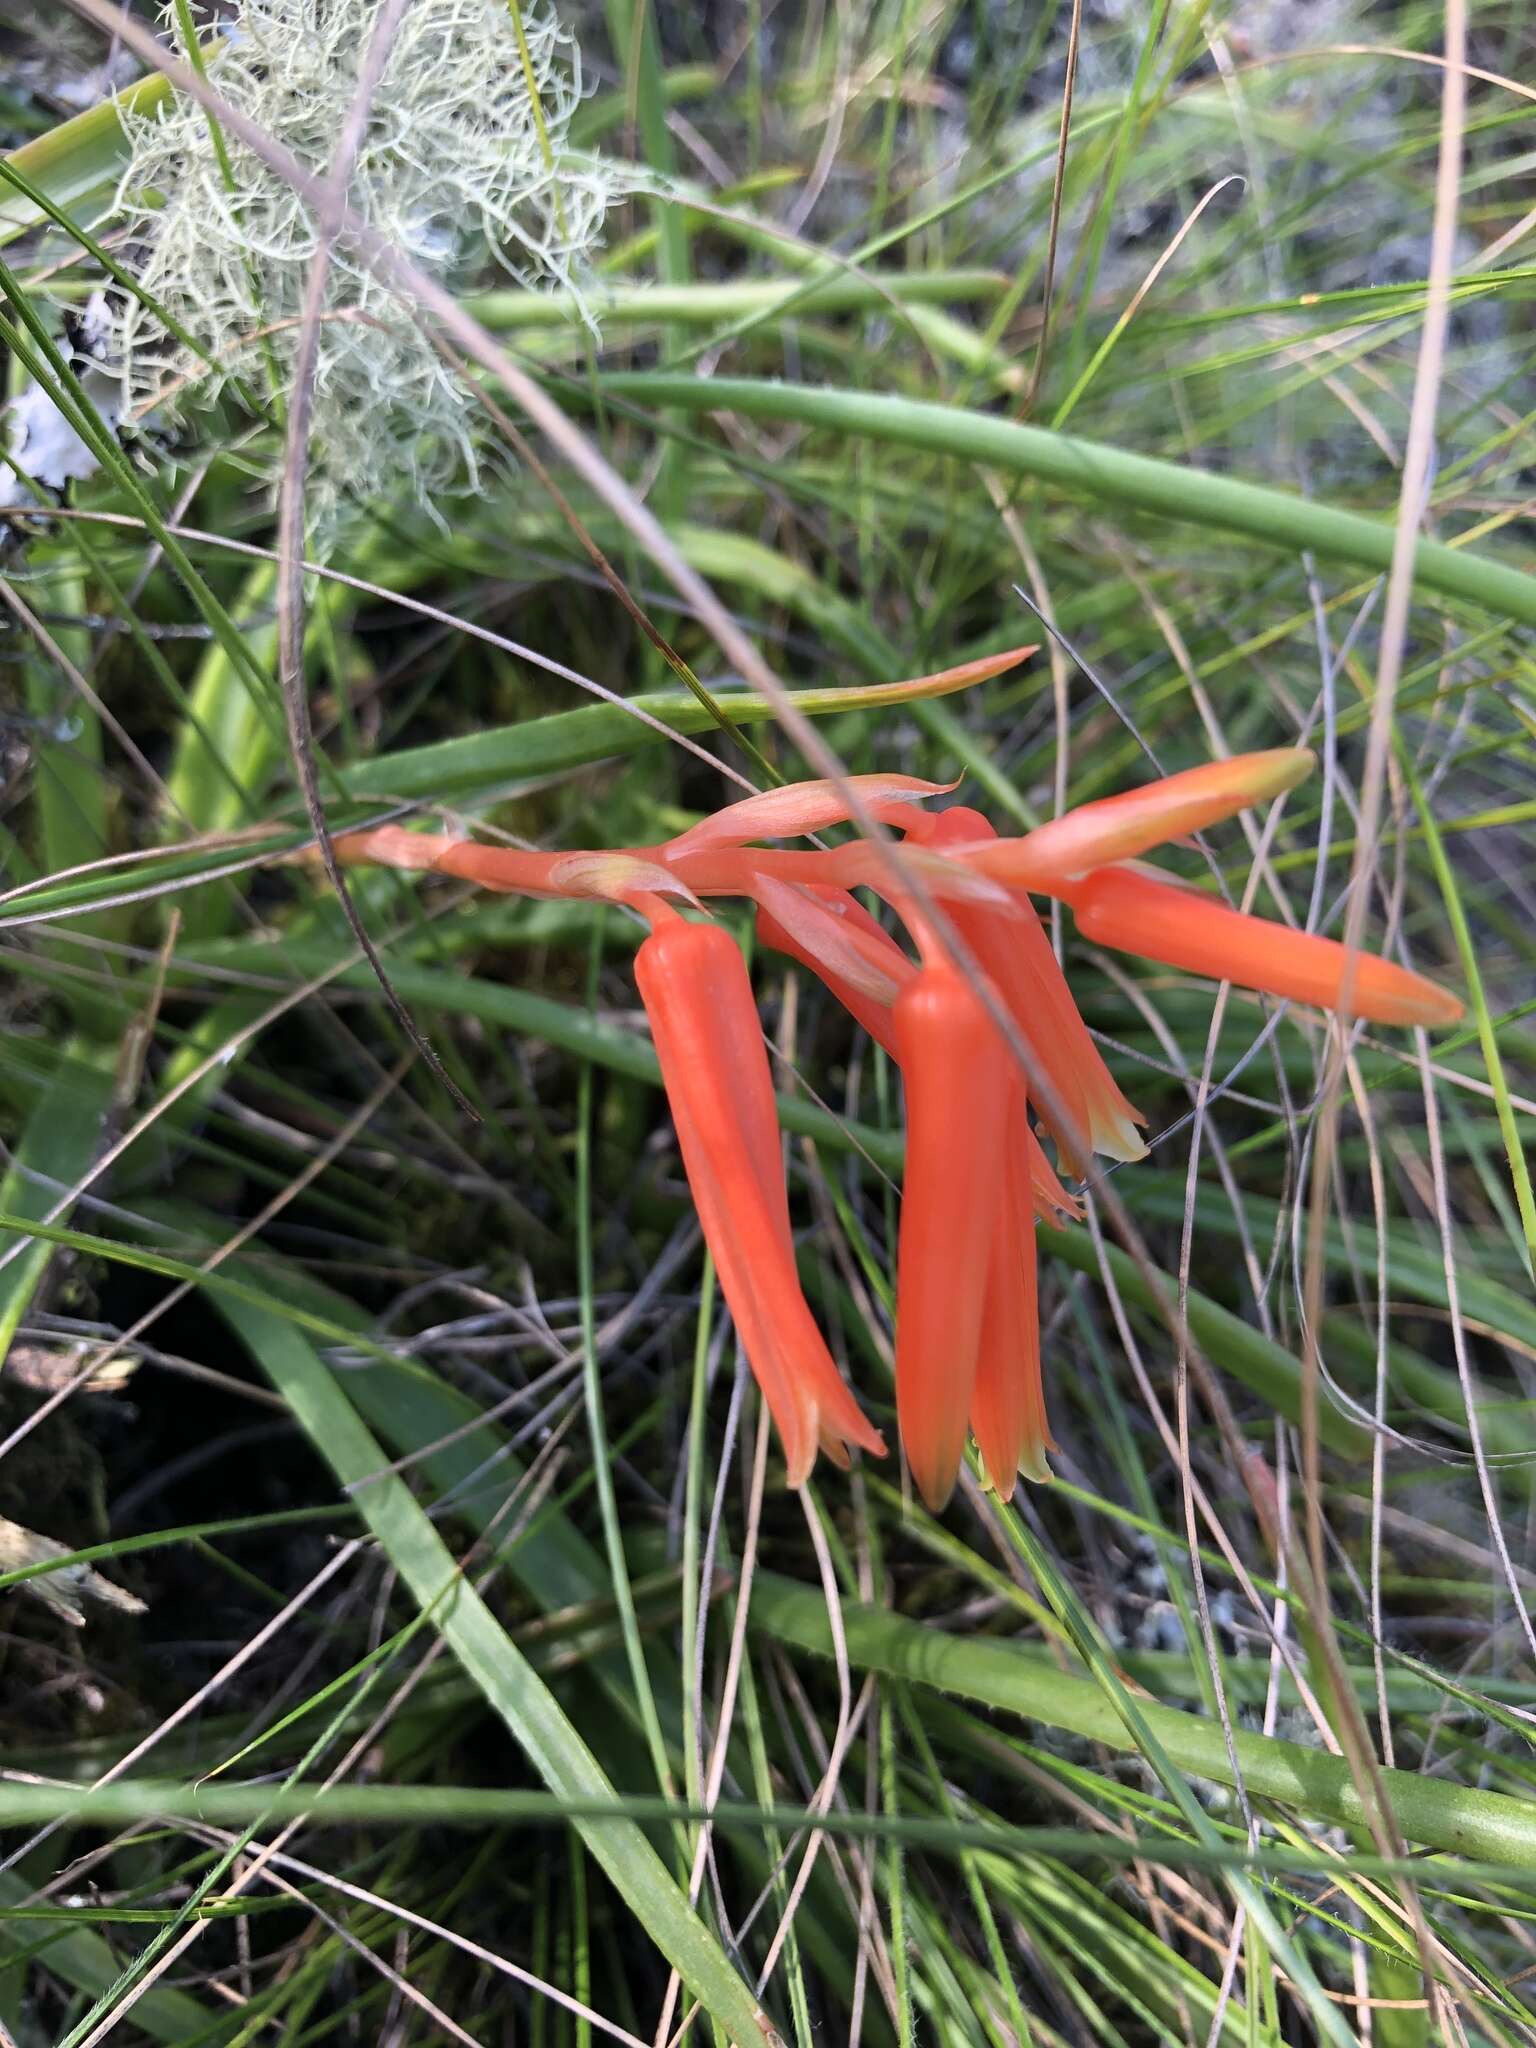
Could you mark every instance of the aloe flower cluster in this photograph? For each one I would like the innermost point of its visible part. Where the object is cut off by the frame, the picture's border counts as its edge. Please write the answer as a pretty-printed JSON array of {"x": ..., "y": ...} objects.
[{"x": 977, "y": 1175}]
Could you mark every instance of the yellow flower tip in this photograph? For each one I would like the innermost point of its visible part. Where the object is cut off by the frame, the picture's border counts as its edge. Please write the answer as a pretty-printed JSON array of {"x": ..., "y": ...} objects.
[
  {"x": 1033, "y": 1466},
  {"x": 1430, "y": 1005},
  {"x": 1115, "y": 1135},
  {"x": 1271, "y": 773},
  {"x": 799, "y": 1462}
]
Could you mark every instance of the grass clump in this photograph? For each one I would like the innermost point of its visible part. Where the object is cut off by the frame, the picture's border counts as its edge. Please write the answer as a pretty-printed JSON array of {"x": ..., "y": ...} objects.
[{"x": 417, "y": 1732}]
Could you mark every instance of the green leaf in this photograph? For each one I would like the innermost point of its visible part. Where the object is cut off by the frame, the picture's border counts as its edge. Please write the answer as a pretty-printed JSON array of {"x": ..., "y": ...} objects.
[
  {"x": 512, "y": 1688},
  {"x": 59, "y": 1143},
  {"x": 79, "y": 160},
  {"x": 1094, "y": 470},
  {"x": 571, "y": 739}
]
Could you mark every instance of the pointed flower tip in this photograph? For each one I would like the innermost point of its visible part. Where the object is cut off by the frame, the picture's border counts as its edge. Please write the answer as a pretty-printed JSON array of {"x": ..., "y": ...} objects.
[
  {"x": 935, "y": 1483},
  {"x": 1116, "y": 1136},
  {"x": 1430, "y": 1005},
  {"x": 967, "y": 673},
  {"x": 1118, "y": 828},
  {"x": 837, "y": 1442},
  {"x": 1033, "y": 1465},
  {"x": 1271, "y": 773}
]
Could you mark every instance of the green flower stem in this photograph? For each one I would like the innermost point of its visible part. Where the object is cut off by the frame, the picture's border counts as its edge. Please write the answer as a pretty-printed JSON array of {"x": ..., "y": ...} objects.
[
  {"x": 704, "y": 304},
  {"x": 1431, "y": 1811},
  {"x": 1112, "y": 475}
]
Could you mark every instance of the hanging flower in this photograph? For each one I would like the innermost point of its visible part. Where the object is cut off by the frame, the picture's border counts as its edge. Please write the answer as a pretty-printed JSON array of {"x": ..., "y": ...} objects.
[
  {"x": 698, "y": 997},
  {"x": 977, "y": 1176}
]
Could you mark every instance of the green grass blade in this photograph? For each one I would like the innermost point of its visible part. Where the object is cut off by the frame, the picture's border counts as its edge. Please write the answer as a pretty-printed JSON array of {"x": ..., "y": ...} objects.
[
  {"x": 59, "y": 1142},
  {"x": 1487, "y": 1035},
  {"x": 509, "y": 1683},
  {"x": 1098, "y": 471},
  {"x": 84, "y": 1960}
]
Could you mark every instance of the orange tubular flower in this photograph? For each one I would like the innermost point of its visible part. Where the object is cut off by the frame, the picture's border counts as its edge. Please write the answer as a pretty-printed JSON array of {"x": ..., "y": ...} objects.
[
  {"x": 1008, "y": 1403},
  {"x": 865, "y": 969},
  {"x": 1017, "y": 955},
  {"x": 958, "y": 1081},
  {"x": 1133, "y": 913},
  {"x": 967, "y": 1329},
  {"x": 698, "y": 997}
]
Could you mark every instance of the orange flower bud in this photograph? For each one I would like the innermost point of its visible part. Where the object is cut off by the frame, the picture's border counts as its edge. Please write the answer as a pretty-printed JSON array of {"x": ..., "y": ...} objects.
[
  {"x": 1130, "y": 911},
  {"x": 1119, "y": 827}
]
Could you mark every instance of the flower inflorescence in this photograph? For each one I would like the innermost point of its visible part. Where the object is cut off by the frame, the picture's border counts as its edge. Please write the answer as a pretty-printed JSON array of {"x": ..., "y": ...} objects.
[{"x": 984, "y": 988}]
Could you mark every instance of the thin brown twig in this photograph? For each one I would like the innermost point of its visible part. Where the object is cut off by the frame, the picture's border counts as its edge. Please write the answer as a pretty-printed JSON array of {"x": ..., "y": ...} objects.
[{"x": 1310, "y": 1571}]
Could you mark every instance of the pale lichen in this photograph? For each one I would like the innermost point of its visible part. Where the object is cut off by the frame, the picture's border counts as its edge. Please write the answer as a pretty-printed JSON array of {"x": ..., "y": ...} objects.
[{"x": 465, "y": 163}]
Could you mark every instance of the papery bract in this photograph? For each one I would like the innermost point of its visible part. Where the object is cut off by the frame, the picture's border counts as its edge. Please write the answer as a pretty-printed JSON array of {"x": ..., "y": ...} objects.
[
  {"x": 801, "y": 807},
  {"x": 615, "y": 878},
  {"x": 831, "y": 932}
]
